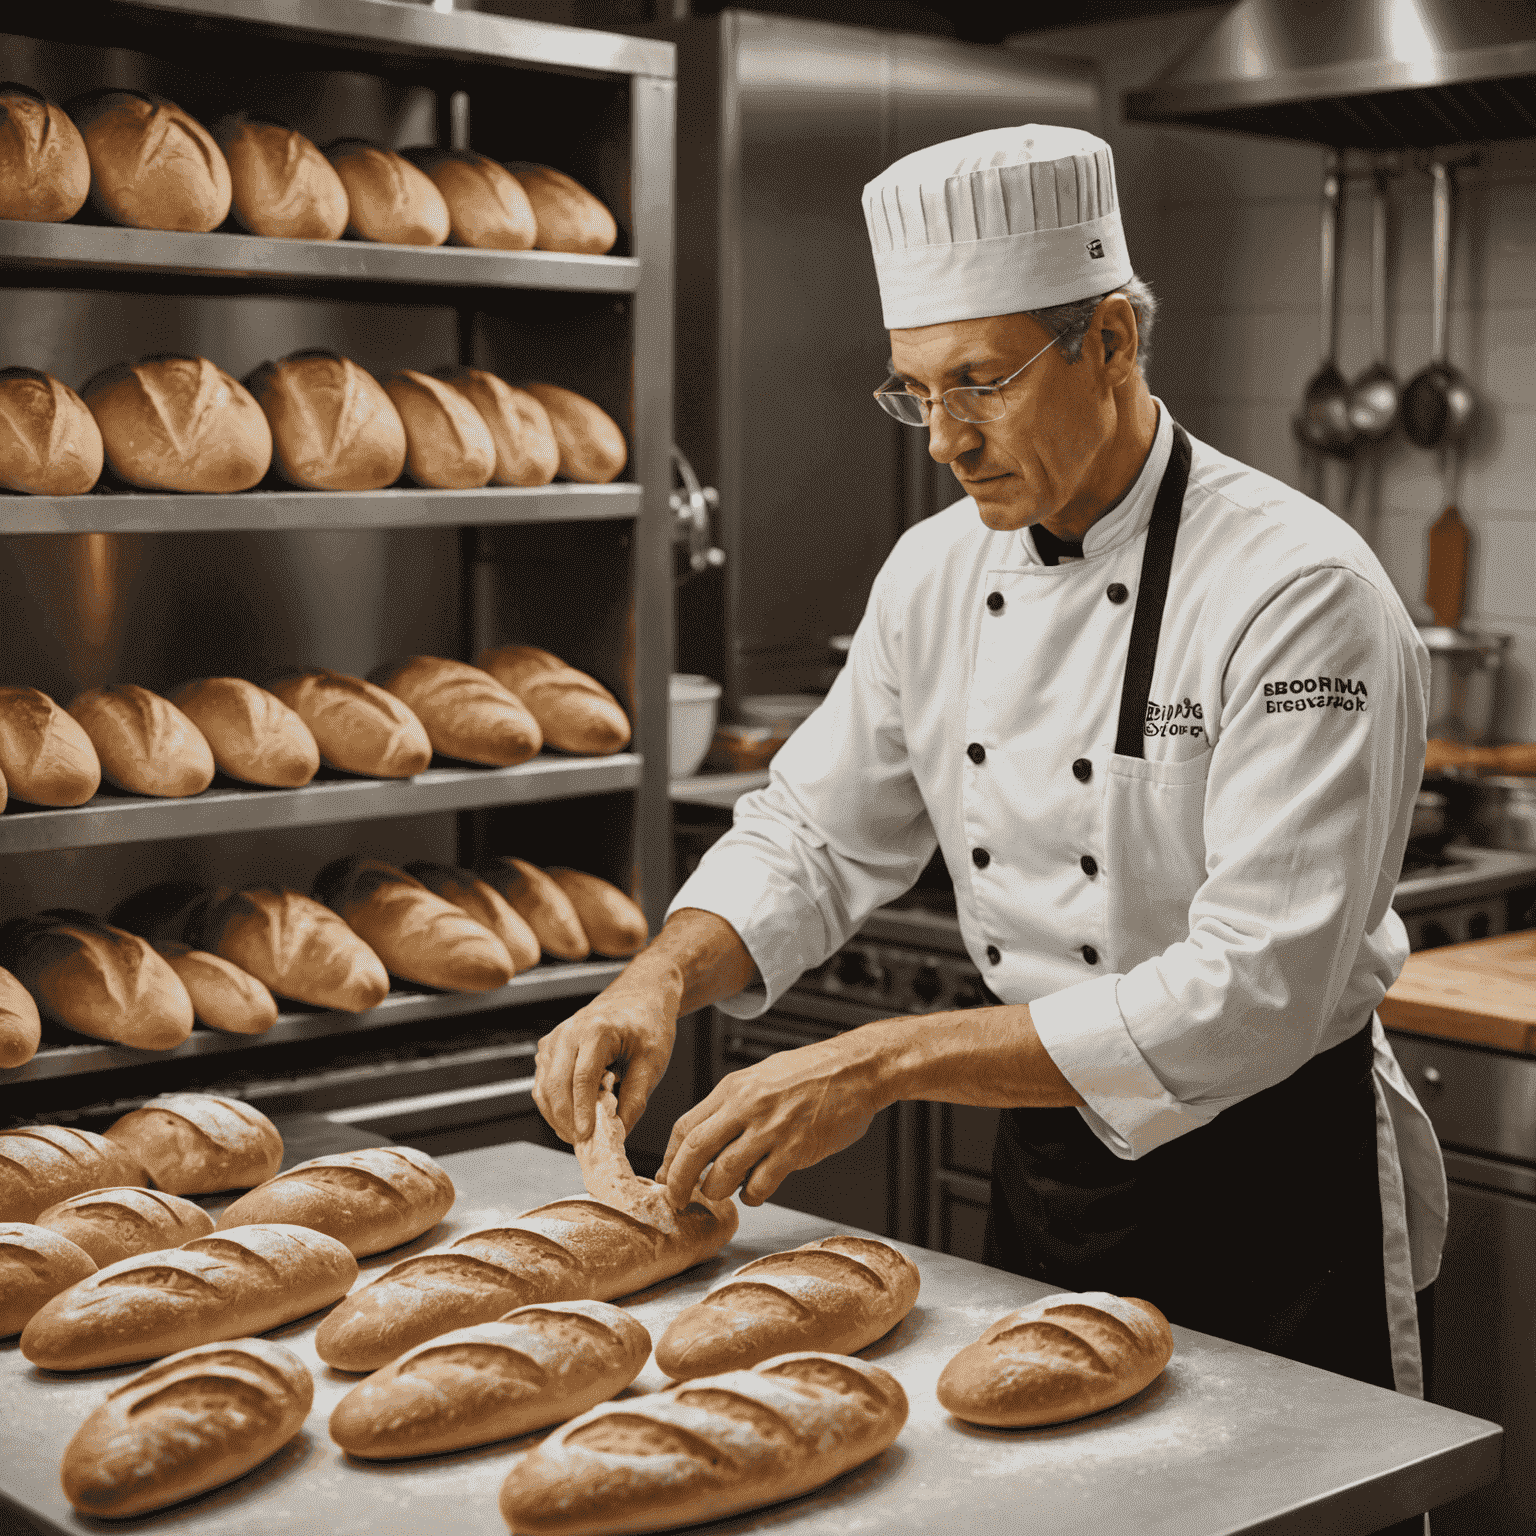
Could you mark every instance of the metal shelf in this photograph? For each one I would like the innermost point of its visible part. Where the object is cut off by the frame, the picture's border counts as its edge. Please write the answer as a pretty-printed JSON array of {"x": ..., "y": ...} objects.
[
  {"x": 546, "y": 982},
  {"x": 272, "y": 511},
  {"x": 114, "y": 818}
]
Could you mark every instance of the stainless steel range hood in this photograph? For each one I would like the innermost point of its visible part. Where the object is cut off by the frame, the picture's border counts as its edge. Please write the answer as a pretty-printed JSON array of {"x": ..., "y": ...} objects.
[{"x": 1372, "y": 74}]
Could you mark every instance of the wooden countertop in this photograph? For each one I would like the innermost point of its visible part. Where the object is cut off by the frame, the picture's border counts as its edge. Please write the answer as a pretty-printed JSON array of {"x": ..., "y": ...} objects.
[{"x": 1483, "y": 992}]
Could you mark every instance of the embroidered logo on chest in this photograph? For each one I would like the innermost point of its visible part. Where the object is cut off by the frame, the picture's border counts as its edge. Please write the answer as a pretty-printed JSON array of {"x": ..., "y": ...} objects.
[{"x": 1181, "y": 719}]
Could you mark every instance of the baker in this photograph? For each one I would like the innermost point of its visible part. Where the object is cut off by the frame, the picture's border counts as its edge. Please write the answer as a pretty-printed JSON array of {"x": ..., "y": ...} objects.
[{"x": 1164, "y": 716}]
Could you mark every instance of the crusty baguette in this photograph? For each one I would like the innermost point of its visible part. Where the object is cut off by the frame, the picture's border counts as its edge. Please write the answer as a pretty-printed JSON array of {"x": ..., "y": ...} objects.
[
  {"x": 447, "y": 443},
  {"x": 282, "y": 186},
  {"x": 575, "y": 712},
  {"x": 388, "y": 199},
  {"x": 199, "y": 1143},
  {"x": 224, "y": 1286},
  {"x": 45, "y": 754},
  {"x": 36, "y": 1263},
  {"x": 592, "y": 446},
  {"x": 145, "y": 744},
  {"x": 50, "y": 444},
  {"x": 614, "y": 925},
  {"x": 113, "y": 1224},
  {"x": 358, "y": 727},
  {"x": 469, "y": 893},
  {"x": 1059, "y": 1358},
  {"x": 45, "y": 173},
  {"x": 223, "y": 996},
  {"x": 706, "y": 1449},
  {"x": 534, "y": 1367},
  {"x": 187, "y": 1424},
  {"x": 253, "y": 735},
  {"x": 541, "y": 904},
  {"x": 487, "y": 207},
  {"x": 526, "y": 450},
  {"x": 837, "y": 1295},
  {"x": 21, "y": 1028},
  {"x": 43, "y": 1164},
  {"x": 569, "y": 217},
  {"x": 466, "y": 713},
  {"x": 372, "y": 1199}
]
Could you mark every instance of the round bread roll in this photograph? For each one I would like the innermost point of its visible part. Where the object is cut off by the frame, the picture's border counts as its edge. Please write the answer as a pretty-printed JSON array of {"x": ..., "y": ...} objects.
[
  {"x": 526, "y": 450},
  {"x": 466, "y": 712},
  {"x": 253, "y": 735},
  {"x": 613, "y": 924},
  {"x": 45, "y": 754},
  {"x": 283, "y": 187},
  {"x": 575, "y": 712},
  {"x": 471, "y": 895},
  {"x": 223, "y": 996},
  {"x": 448, "y": 446},
  {"x": 117, "y": 1223},
  {"x": 333, "y": 427},
  {"x": 152, "y": 166},
  {"x": 487, "y": 207},
  {"x": 358, "y": 727},
  {"x": 20, "y": 1026},
  {"x": 36, "y": 1263},
  {"x": 390, "y": 201},
  {"x": 200, "y": 1143},
  {"x": 45, "y": 173},
  {"x": 173, "y": 423},
  {"x": 541, "y": 904},
  {"x": 146, "y": 745},
  {"x": 570, "y": 218},
  {"x": 50, "y": 444},
  {"x": 592, "y": 448}
]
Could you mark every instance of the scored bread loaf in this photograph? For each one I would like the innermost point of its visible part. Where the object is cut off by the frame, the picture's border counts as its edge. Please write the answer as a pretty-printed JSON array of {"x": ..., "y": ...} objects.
[
  {"x": 152, "y": 165},
  {"x": 614, "y": 925},
  {"x": 21, "y": 1027},
  {"x": 199, "y": 1419},
  {"x": 447, "y": 444},
  {"x": 333, "y": 427},
  {"x": 253, "y": 735},
  {"x": 113, "y": 1224},
  {"x": 50, "y": 444},
  {"x": 144, "y": 743},
  {"x": 706, "y": 1449},
  {"x": 43, "y": 1164},
  {"x": 541, "y": 904},
  {"x": 569, "y": 217},
  {"x": 534, "y": 1367},
  {"x": 242, "y": 1281},
  {"x": 281, "y": 185},
  {"x": 223, "y": 996},
  {"x": 1059, "y": 1358},
  {"x": 419, "y": 936},
  {"x": 372, "y": 1199},
  {"x": 97, "y": 979},
  {"x": 526, "y": 450},
  {"x": 837, "y": 1295},
  {"x": 469, "y": 893},
  {"x": 45, "y": 754},
  {"x": 389, "y": 200},
  {"x": 200, "y": 1143},
  {"x": 575, "y": 712},
  {"x": 358, "y": 727},
  {"x": 592, "y": 448},
  {"x": 36, "y": 1263},
  {"x": 487, "y": 206},
  {"x": 170, "y": 422},
  {"x": 466, "y": 713},
  {"x": 45, "y": 172}
]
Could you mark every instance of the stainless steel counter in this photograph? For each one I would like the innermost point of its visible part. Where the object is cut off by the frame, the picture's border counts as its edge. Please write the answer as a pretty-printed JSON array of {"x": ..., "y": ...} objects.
[{"x": 1229, "y": 1440}]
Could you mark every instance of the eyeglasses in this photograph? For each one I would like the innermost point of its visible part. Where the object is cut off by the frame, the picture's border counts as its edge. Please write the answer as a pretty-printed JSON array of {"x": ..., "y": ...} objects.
[{"x": 973, "y": 402}]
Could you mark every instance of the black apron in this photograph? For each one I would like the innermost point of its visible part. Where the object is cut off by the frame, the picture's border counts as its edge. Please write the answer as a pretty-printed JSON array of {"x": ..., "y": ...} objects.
[{"x": 1264, "y": 1226}]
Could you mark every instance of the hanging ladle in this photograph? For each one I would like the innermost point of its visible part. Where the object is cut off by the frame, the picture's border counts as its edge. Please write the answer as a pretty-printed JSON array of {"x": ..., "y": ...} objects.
[
  {"x": 1322, "y": 423},
  {"x": 1373, "y": 399},
  {"x": 1438, "y": 404}
]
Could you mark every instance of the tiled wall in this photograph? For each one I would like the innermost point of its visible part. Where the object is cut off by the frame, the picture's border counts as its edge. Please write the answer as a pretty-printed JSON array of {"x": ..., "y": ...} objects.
[{"x": 1224, "y": 226}]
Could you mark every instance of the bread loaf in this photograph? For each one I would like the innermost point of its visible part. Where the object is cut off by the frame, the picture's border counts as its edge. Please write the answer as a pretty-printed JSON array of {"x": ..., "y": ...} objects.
[
  {"x": 164, "y": 912},
  {"x": 534, "y": 1367},
  {"x": 45, "y": 754},
  {"x": 838, "y": 1295},
  {"x": 448, "y": 446},
  {"x": 575, "y": 712},
  {"x": 294, "y": 946},
  {"x": 613, "y": 924},
  {"x": 35, "y": 1265},
  {"x": 233, "y": 1283},
  {"x": 357, "y": 726},
  {"x": 541, "y": 904},
  {"x": 252, "y": 734},
  {"x": 419, "y": 936},
  {"x": 190, "y": 1423},
  {"x": 152, "y": 166},
  {"x": 592, "y": 448},
  {"x": 487, "y": 206},
  {"x": 282, "y": 186},
  {"x": 467, "y": 714},
  {"x": 223, "y": 996},
  {"x": 175, "y": 423},
  {"x": 43, "y": 1164},
  {"x": 145, "y": 744},
  {"x": 372, "y": 1199},
  {"x": 113, "y": 1224},
  {"x": 200, "y": 1143},
  {"x": 97, "y": 980},
  {"x": 45, "y": 172},
  {"x": 389, "y": 200},
  {"x": 569, "y": 217},
  {"x": 50, "y": 444},
  {"x": 21, "y": 1028},
  {"x": 333, "y": 427},
  {"x": 469, "y": 893},
  {"x": 1060, "y": 1358},
  {"x": 526, "y": 450},
  {"x": 705, "y": 1449}
]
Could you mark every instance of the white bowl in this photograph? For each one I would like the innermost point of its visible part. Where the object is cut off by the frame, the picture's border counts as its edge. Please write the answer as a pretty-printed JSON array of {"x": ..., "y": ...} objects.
[{"x": 695, "y": 704}]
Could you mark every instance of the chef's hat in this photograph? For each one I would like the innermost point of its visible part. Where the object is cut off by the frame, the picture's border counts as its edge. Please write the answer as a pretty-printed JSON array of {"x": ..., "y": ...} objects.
[{"x": 996, "y": 222}]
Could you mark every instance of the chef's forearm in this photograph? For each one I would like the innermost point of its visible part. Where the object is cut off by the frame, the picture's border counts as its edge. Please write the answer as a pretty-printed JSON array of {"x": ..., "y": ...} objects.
[{"x": 697, "y": 959}]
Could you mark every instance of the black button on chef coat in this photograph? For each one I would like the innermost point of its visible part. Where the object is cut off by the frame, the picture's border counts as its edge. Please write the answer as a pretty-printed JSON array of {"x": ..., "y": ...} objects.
[
  {"x": 1090, "y": 954},
  {"x": 980, "y": 857},
  {"x": 1090, "y": 865},
  {"x": 994, "y": 955},
  {"x": 976, "y": 752},
  {"x": 1082, "y": 770},
  {"x": 995, "y": 601},
  {"x": 1117, "y": 592}
]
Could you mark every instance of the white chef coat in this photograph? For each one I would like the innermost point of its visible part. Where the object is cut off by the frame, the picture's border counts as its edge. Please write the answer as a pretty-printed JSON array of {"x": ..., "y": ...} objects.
[{"x": 1239, "y": 921}]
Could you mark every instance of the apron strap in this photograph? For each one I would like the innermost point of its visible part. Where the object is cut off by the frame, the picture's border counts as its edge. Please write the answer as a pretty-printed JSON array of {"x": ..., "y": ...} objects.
[{"x": 1151, "y": 595}]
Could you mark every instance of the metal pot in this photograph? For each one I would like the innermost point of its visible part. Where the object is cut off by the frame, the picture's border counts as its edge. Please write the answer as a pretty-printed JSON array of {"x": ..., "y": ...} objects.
[
  {"x": 1504, "y": 811},
  {"x": 1464, "y": 674}
]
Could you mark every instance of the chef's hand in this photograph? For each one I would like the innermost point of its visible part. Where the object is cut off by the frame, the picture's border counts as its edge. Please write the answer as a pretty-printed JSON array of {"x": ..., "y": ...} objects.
[{"x": 765, "y": 1121}]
